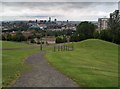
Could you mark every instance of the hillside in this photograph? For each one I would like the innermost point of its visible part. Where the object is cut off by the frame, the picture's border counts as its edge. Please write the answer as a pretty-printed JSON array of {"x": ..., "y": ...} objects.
[{"x": 93, "y": 63}]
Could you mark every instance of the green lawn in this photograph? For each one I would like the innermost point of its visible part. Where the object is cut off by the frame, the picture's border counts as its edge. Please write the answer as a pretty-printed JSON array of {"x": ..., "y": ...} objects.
[
  {"x": 93, "y": 63},
  {"x": 13, "y": 61},
  {"x": 9, "y": 44}
]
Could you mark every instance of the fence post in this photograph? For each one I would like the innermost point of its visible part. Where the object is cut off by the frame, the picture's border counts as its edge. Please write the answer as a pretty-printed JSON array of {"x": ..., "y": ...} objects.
[
  {"x": 61, "y": 48},
  {"x": 66, "y": 48},
  {"x": 58, "y": 47},
  {"x": 54, "y": 48}
]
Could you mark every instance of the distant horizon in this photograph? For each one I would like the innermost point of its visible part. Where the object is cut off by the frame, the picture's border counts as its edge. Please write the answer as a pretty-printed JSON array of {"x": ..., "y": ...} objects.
[
  {"x": 52, "y": 20},
  {"x": 34, "y": 19}
]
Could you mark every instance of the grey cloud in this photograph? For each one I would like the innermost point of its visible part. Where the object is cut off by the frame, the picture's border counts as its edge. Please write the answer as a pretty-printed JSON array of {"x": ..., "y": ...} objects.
[
  {"x": 63, "y": 7},
  {"x": 60, "y": 5},
  {"x": 60, "y": 0}
]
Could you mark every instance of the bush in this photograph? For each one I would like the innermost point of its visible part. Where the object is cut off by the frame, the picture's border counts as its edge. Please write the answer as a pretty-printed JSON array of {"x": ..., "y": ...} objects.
[
  {"x": 19, "y": 37},
  {"x": 3, "y": 37},
  {"x": 32, "y": 41},
  {"x": 38, "y": 42},
  {"x": 59, "y": 40}
]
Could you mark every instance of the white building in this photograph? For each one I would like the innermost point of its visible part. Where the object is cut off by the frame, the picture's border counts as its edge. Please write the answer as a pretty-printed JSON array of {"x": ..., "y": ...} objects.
[
  {"x": 102, "y": 23},
  {"x": 119, "y": 5}
]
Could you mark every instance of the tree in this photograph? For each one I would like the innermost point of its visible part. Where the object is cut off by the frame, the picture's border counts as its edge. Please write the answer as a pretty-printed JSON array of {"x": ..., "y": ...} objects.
[
  {"x": 9, "y": 37},
  {"x": 3, "y": 37},
  {"x": 19, "y": 37},
  {"x": 96, "y": 34},
  {"x": 105, "y": 35},
  {"x": 114, "y": 26},
  {"x": 32, "y": 41},
  {"x": 86, "y": 29},
  {"x": 74, "y": 38},
  {"x": 59, "y": 40}
]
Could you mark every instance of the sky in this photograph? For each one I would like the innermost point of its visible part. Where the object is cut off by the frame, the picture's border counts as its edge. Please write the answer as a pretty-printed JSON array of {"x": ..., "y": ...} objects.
[{"x": 62, "y": 11}]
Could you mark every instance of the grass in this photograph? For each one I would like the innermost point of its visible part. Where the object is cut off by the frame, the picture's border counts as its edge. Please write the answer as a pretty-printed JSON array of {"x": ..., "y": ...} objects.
[
  {"x": 13, "y": 62},
  {"x": 93, "y": 63},
  {"x": 9, "y": 44}
]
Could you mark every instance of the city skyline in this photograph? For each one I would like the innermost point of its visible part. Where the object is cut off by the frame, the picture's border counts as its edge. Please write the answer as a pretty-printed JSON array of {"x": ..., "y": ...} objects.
[{"x": 62, "y": 11}]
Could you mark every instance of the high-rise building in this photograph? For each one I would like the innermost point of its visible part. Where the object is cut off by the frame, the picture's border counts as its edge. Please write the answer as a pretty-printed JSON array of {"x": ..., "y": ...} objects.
[
  {"x": 36, "y": 21},
  {"x": 119, "y": 6},
  {"x": 55, "y": 20},
  {"x": 49, "y": 19},
  {"x": 102, "y": 23}
]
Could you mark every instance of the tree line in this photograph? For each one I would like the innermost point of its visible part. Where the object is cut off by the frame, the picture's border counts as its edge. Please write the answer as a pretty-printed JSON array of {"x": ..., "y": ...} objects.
[{"x": 85, "y": 30}]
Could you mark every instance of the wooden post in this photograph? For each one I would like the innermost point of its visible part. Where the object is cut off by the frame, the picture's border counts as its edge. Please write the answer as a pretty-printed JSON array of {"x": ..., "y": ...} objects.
[
  {"x": 54, "y": 48},
  {"x": 64, "y": 47},
  {"x": 61, "y": 47},
  {"x": 58, "y": 48}
]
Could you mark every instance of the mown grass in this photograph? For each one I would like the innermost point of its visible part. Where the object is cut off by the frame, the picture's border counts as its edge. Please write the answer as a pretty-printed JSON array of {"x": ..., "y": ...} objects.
[
  {"x": 9, "y": 44},
  {"x": 13, "y": 62},
  {"x": 93, "y": 63}
]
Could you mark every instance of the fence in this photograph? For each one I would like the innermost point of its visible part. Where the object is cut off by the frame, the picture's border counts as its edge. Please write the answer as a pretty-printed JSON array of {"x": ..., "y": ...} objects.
[{"x": 63, "y": 48}]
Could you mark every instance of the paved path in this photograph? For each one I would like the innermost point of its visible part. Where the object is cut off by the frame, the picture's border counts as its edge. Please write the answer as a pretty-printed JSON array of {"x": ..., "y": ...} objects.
[{"x": 43, "y": 75}]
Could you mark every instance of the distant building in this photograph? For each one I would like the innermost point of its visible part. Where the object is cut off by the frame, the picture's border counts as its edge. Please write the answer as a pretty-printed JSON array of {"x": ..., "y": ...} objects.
[
  {"x": 49, "y": 40},
  {"x": 102, "y": 23},
  {"x": 49, "y": 19},
  {"x": 119, "y": 7},
  {"x": 55, "y": 20},
  {"x": 36, "y": 21},
  {"x": 27, "y": 33}
]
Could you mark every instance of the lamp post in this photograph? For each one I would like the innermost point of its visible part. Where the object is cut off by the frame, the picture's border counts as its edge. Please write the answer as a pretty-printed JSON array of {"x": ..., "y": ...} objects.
[
  {"x": 45, "y": 30},
  {"x": 41, "y": 43},
  {"x": 72, "y": 43},
  {"x": 64, "y": 42}
]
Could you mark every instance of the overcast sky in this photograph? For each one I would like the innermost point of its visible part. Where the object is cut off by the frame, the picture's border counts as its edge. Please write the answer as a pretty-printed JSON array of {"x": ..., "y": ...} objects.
[{"x": 76, "y": 11}]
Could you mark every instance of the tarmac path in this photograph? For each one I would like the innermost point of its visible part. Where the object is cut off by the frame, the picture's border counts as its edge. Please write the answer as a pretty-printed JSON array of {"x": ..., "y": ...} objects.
[{"x": 42, "y": 74}]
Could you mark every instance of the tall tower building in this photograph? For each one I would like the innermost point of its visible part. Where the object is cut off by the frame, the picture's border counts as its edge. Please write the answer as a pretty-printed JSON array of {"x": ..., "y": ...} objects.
[
  {"x": 55, "y": 20},
  {"x": 102, "y": 23},
  {"x": 49, "y": 19},
  {"x": 119, "y": 5}
]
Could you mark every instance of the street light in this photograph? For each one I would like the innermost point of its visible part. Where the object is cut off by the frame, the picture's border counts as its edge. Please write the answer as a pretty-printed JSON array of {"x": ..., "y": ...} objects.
[
  {"x": 72, "y": 42},
  {"x": 64, "y": 41},
  {"x": 45, "y": 30},
  {"x": 41, "y": 42}
]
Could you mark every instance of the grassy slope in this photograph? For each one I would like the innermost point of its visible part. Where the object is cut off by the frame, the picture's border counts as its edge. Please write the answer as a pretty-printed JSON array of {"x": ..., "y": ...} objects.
[
  {"x": 93, "y": 63},
  {"x": 13, "y": 61}
]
